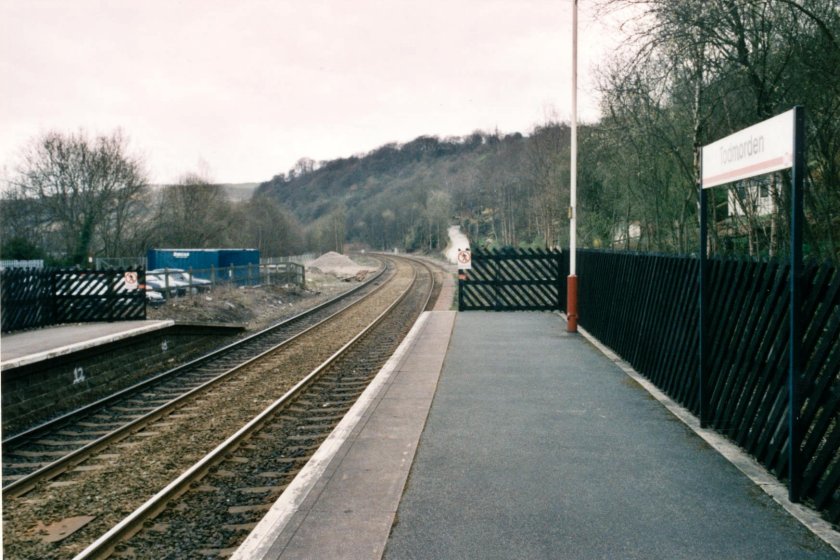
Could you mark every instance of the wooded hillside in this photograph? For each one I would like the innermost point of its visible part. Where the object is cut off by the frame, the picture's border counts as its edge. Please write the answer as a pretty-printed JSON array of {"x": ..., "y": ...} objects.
[
  {"x": 504, "y": 189},
  {"x": 692, "y": 72}
]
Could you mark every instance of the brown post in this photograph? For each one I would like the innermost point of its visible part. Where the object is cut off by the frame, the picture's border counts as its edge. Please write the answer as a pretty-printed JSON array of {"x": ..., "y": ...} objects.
[{"x": 571, "y": 303}]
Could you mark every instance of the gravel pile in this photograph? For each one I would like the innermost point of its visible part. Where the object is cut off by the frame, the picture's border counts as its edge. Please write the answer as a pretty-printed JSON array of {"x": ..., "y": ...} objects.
[{"x": 340, "y": 266}]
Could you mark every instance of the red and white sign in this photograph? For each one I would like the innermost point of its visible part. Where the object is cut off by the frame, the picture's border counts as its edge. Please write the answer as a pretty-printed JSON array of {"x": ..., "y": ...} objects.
[
  {"x": 762, "y": 148},
  {"x": 464, "y": 259},
  {"x": 130, "y": 280}
]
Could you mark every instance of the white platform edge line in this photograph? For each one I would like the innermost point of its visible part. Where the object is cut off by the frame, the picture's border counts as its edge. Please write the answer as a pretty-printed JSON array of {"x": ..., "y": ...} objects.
[
  {"x": 77, "y": 346},
  {"x": 261, "y": 538},
  {"x": 751, "y": 468}
]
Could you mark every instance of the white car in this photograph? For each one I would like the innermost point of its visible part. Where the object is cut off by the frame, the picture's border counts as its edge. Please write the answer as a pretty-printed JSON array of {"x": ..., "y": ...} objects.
[
  {"x": 153, "y": 297},
  {"x": 180, "y": 279},
  {"x": 172, "y": 287}
]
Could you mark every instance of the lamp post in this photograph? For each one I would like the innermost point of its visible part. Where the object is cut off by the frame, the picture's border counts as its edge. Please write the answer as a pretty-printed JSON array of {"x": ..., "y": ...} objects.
[{"x": 571, "y": 283}]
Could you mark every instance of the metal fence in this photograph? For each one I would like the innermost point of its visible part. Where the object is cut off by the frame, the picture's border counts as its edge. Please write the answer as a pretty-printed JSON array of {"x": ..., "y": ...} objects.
[
  {"x": 38, "y": 263},
  {"x": 41, "y": 297},
  {"x": 645, "y": 308},
  {"x": 110, "y": 263},
  {"x": 299, "y": 259},
  {"x": 104, "y": 263},
  {"x": 179, "y": 282}
]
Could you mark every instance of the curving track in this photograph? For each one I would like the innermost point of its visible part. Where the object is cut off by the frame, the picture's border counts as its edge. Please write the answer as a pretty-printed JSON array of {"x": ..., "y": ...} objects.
[
  {"x": 54, "y": 447},
  {"x": 243, "y": 478}
]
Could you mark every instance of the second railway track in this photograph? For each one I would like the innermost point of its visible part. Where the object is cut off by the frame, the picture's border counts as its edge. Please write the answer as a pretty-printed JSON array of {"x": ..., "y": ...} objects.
[
  {"x": 103, "y": 490},
  {"x": 51, "y": 448}
]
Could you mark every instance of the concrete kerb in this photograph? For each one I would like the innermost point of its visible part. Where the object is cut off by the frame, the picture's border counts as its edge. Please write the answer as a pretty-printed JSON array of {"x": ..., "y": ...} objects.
[
  {"x": 268, "y": 530},
  {"x": 731, "y": 452},
  {"x": 84, "y": 345}
]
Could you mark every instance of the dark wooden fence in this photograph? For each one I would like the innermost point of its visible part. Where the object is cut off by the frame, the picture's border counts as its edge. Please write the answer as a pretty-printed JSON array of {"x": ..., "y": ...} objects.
[
  {"x": 645, "y": 308},
  {"x": 40, "y": 297},
  {"x": 514, "y": 280}
]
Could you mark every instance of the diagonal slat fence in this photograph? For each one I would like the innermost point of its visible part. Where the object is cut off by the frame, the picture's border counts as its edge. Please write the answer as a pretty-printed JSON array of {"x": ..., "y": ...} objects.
[
  {"x": 514, "y": 280},
  {"x": 645, "y": 308},
  {"x": 34, "y": 298}
]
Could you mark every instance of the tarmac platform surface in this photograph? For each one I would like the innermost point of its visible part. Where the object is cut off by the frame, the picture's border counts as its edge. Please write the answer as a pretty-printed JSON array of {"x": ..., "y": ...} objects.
[
  {"x": 514, "y": 439},
  {"x": 19, "y": 349}
]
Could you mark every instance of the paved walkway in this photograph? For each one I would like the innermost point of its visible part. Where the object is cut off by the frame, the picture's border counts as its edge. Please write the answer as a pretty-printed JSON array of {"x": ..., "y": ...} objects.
[
  {"x": 19, "y": 349},
  {"x": 342, "y": 504},
  {"x": 538, "y": 446},
  {"x": 499, "y": 435}
]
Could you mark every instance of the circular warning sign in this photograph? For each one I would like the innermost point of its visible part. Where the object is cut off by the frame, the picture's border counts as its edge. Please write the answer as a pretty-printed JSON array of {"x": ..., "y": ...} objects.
[
  {"x": 130, "y": 280},
  {"x": 464, "y": 259}
]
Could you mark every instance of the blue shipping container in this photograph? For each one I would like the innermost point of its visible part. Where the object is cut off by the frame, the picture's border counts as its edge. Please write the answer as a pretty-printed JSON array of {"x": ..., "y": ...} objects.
[
  {"x": 238, "y": 257},
  {"x": 203, "y": 259}
]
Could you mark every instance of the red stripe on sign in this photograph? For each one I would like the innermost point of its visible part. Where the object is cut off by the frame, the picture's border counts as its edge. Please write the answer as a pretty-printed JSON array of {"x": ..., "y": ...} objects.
[{"x": 750, "y": 170}]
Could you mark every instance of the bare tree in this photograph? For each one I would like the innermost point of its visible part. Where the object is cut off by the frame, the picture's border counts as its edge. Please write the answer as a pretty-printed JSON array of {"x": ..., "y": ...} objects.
[
  {"x": 81, "y": 184},
  {"x": 194, "y": 213},
  {"x": 547, "y": 169},
  {"x": 267, "y": 226},
  {"x": 438, "y": 216}
]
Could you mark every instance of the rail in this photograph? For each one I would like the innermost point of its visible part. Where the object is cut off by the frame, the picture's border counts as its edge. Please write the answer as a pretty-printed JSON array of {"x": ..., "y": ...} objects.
[
  {"x": 133, "y": 523},
  {"x": 26, "y": 483}
]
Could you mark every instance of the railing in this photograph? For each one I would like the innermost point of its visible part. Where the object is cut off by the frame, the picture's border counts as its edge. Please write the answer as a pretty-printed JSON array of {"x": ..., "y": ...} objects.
[
  {"x": 299, "y": 259},
  {"x": 179, "y": 282},
  {"x": 109, "y": 263},
  {"x": 644, "y": 307},
  {"x": 38, "y": 263},
  {"x": 104, "y": 263}
]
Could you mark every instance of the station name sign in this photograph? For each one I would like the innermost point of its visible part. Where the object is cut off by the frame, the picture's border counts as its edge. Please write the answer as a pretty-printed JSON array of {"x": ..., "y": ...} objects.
[{"x": 762, "y": 148}]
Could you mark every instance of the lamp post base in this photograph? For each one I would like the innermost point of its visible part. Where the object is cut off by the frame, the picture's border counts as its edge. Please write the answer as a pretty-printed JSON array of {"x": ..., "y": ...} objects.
[{"x": 571, "y": 303}]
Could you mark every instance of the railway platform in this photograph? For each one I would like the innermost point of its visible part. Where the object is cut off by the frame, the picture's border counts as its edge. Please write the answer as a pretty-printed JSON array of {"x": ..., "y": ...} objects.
[
  {"x": 29, "y": 347},
  {"x": 499, "y": 435}
]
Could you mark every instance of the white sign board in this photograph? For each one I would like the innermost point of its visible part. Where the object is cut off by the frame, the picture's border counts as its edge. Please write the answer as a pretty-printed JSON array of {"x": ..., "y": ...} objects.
[{"x": 762, "y": 148}]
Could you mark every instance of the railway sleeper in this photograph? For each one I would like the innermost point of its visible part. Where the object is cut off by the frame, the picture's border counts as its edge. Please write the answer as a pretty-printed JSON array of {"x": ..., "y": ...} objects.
[
  {"x": 249, "y": 508},
  {"x": 262, "y": 489},
  {"x": 85, "y": 424},
  {"x": 240, "y": 527},
  {"x": 28, "y": 466},
  {"x": 217, "y": 552},
  {"x": 344, "y": 398},
  {"x": 336, "y": 408},
  {"x": 347, "y": 392},
  {"x": 301, "y": 448},
  {"x": 328, "y": 418},
  {"x": 23, "y": 453},
  {"x": 63, "y": 443}
]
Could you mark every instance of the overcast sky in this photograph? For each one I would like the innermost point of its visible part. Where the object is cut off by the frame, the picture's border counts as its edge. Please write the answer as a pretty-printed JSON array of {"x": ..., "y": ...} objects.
[{"x": 241, "y": 89}]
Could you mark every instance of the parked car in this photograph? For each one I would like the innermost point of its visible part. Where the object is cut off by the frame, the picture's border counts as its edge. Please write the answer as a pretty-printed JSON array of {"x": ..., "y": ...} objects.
[
  {"x": 179, "y": 277},
  {"x": 154, "y": 297},
  {"x": 168, "y": 289}
]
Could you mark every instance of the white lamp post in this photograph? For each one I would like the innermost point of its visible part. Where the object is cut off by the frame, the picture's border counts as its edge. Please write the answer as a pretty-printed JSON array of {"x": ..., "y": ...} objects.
[{"x": 571, "y": 282}]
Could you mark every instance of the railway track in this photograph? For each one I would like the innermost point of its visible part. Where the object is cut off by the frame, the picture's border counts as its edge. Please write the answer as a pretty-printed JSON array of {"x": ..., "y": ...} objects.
[
  {"x": 51, "y": 448},
  {"x": 287, "y": 408}
]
